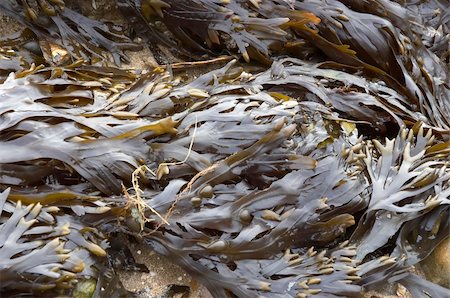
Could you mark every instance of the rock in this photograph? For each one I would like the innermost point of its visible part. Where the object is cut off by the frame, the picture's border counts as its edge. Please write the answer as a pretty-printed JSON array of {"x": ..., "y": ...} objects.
[
  {"x": 162, "y": 276},
  {"x": 85, "y": 289},
  {"x": 436, "y": 266}
]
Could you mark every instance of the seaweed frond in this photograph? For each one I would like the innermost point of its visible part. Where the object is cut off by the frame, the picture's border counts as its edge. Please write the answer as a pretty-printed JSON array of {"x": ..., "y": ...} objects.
[
  {"x": 82, "y": 37},
  {"x": 407, "y": 175},
  {"x": 32, "y": 253}
]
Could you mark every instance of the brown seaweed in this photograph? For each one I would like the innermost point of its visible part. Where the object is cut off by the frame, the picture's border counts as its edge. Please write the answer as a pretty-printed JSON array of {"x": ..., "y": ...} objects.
[
  {"x": 325, "y": 174},
  {"x": 383, "y": 48},
  {"x": 82, "y": 37},
  {"x": 89, "y": 142},
  {"x": 233, "y": 25},
  {"x": 43, "y": 249},
  {"x": 406, "y": 184}
]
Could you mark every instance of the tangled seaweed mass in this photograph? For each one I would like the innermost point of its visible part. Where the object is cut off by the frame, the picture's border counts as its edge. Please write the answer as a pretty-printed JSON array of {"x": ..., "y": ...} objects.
[{"x": 315, "y": 166}]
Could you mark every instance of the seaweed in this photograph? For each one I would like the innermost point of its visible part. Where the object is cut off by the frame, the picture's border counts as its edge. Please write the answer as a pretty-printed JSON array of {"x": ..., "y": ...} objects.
[
  {"x": 290, "y": 274},
  {"x": 82, "y": 37},
  {"x": 238, "y": 26},
  {"x": 260, "y": 219},
  {"x": 407, "y": 181},
  {"x": 341, "y": 31},
  {"x": 375, "y": 44},
  {"x": 42, "y": 250},
  {"x": 322, "y": 174},
  {"x": 9, "y": 62},
  {"x": 78, "y": 135}
]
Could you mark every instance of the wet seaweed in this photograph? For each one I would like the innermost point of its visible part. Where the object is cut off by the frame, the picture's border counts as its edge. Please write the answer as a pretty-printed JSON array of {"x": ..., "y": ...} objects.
[
  {"x": 237, "y": 26},
  {"x": 75, "y": 132},
  {"x": 380, "y": 45},
  {"x": 41, "y": 249},
  {"x": 54, "y": 24},
  {"x": 406, "y": 184},
  {"x": 324, "y": 174}
]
